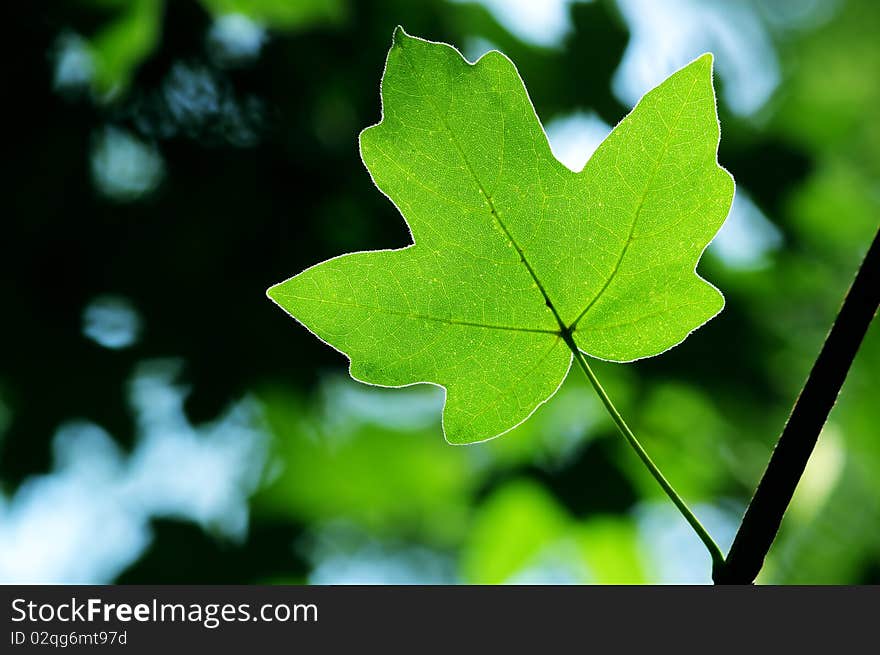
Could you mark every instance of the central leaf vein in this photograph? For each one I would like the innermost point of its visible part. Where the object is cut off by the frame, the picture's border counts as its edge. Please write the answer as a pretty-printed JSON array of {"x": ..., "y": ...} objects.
[
  {"x": 489, "y": 201},
  {"x": 670, "y": 128}
]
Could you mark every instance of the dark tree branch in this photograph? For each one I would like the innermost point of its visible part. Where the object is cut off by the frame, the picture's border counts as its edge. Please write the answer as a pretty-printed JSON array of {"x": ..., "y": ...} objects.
[{"x": 764, "y": 514}]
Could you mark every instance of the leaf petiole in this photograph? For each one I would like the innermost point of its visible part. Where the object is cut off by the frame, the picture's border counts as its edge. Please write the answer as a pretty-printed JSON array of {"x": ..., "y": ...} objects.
[{"x": 702, "y": 533}]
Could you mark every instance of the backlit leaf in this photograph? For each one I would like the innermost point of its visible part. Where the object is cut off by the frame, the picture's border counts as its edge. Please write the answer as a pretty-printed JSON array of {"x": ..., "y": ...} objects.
[{"x": 515, "y": 256}]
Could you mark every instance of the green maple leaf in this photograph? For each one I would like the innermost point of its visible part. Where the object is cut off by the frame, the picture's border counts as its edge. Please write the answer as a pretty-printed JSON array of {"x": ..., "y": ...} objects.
[{"x": 516, "y": 259}]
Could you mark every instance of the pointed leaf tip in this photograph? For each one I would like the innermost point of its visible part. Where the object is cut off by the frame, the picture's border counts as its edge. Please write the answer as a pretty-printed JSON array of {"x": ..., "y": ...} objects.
[
  {"x": 272, "y": 292},
  {"x": 706, "y": 59},
  {"x": 399, "y": 35}
]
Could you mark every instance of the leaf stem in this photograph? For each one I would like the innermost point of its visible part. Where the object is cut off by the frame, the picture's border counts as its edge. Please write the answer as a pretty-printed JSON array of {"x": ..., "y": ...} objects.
[{"x": 702, "y": 533}]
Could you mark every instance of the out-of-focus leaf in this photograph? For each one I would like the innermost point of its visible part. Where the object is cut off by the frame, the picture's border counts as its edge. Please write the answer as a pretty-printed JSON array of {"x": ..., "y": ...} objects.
[
  {"x": 826, "y": 106},
  {"x": 381, "y": 478},
  {"x": 121, "y": 45},
  {"x": 282, "y": 14},
  {"x": 510, "y": 531},
  {"x": 685, "y": 434},
  {"x": 522, "y": 534},
  {"x": 826, "y": 100},
  {"x": 610, "y": 549},
  {"x": 845, "y": 190}
]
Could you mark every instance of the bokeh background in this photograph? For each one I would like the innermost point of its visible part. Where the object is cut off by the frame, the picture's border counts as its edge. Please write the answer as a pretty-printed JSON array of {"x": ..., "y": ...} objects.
[{"x": 161, "y": 421}]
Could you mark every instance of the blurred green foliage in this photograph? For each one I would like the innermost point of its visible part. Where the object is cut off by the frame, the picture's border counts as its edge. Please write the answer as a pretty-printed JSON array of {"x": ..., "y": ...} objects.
[
  {"x": 123, "y": 42},
  {"x": 262, "y": 178},
  {"x": 133, "y": 29},
  {"x": 282, "y": 15}
]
